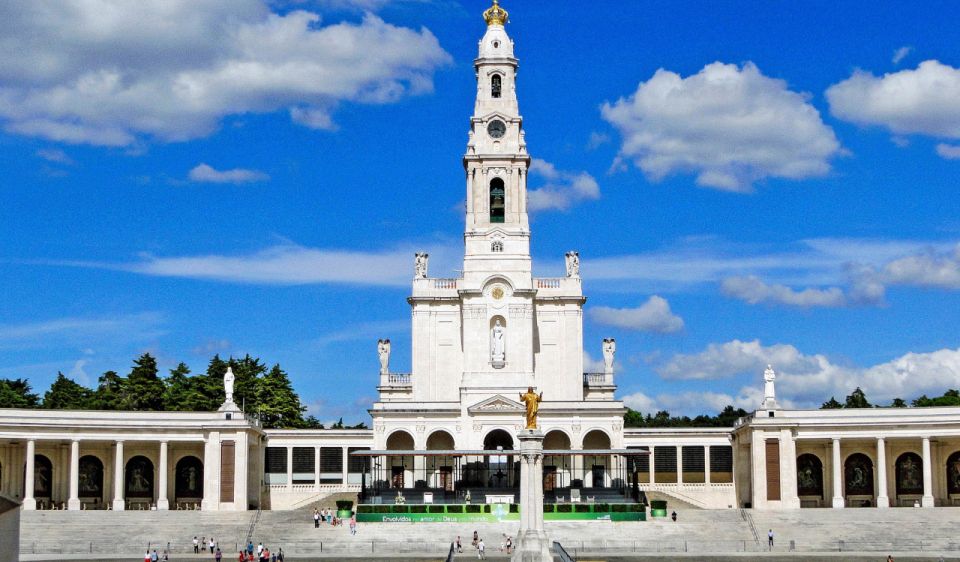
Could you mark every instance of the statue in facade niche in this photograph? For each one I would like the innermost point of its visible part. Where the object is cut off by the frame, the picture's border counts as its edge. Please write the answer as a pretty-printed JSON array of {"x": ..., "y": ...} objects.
[
  {"x": 573, "y": 263},
  {"x": 228, "y": 385},
  {"x": 769, "y": 393},
  {"x": 609, "y": 350},
  {"x": 497, "y": 343},
  {"x": 383, "y": 351},
  {"x": 420, "y": 265},
  {"x": 532, "y": 400}
]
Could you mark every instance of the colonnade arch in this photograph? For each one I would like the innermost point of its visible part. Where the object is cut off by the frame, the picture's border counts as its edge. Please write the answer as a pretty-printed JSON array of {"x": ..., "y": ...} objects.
[
  {"x": 953, "y": 473},
  {"x": 188, "y": 479},
  {"x": 557, "y": 469},
  {"x": 858, "y": 479},
  {"x": 909, "y": 475},
  {"x": 90, "y": 478},
  {"x": 401, "y": 468},
  {"x": 440, "y": 469},
  {"x": 598, "y": 475},
  {"x": 138, "y": 481},
  {"x": 809, "y": 476}
]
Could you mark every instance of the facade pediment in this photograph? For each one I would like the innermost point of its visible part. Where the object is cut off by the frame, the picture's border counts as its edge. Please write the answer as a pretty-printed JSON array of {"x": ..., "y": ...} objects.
[{"x": 498, "y": 403}]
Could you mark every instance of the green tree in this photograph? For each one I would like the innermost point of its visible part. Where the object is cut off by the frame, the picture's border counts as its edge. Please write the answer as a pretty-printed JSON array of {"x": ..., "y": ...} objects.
[
  {"x": 277, "y": 403},
  {"x": 857, "y": 399},
  {"x": 144, "y": 385},
  {"x": 632, "y": 418},
  {"x": 111, "y": 393},
  {"x": 729, "y": 415},
  {"x": 66, "y": 394},
  {"x": 183, "y": 393},
  {"x": 15, "y": 393},
  {"x": 831, "y": 404},
  {"x": 898, "y": 403}
]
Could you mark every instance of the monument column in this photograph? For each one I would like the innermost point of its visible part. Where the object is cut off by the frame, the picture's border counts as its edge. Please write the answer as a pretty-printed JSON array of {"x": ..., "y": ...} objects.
[
  {"x": 532, "y": 542},
  {"x": 289, "y": 468},
  {"x": 162, "y": 501},
  {"x": 346, "y": 467},
  {"x": 927, "y": 499},
  {"x": 316, "y": 468},
  {"x": 706, "y": 464},
  {"x": 837, "y": 480},
  {"x": 118, "y": 476},
  {"x": 73, "y": 502},
  {"x": 29, "y": 478},
  {"x": 882, "y": 499}
]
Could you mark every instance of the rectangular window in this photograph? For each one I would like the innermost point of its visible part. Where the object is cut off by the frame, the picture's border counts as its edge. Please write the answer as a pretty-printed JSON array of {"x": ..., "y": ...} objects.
[
  {"x": 303, "y": 464},
  {"x": 275, "y": 465},
  {"x": 665, "y": 464},
  {"x": 227, "y": 471},
  {"x": 331, "y": 465},
  {"x": 693, "y": 464},
  {"x": 773, "y": 469},
  {"x": 358, "y": 465}
]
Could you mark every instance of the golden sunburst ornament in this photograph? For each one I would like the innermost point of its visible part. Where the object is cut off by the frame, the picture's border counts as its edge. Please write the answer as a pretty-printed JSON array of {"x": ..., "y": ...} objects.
[
  {"x": 497, "y": 293},
  {"x": 495, "y": 15}
]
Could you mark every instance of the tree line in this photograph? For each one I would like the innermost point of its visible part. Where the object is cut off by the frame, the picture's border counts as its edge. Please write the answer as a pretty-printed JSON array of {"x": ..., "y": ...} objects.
[
  {"x": 729, "y": 415},
  {"x": 261, "y": 391}
]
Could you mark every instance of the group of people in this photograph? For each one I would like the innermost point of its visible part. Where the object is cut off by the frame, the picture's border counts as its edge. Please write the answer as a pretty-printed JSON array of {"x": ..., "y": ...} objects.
[
  {"x": 506, "y": 545},
  {"x": 329, "y": 517},
  {"x": 199, "y": 545},
  {"x": 263, "y": 554}
]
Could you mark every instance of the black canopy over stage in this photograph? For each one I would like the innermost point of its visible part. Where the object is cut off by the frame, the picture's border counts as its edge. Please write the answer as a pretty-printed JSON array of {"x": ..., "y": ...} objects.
[{"x": 465, "y": 476}]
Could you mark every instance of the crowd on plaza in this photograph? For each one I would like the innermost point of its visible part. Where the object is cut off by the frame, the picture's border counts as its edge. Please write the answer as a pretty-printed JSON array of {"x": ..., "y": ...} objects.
[
  {"x": 506, "y": 545},
  {"x": 329, "y": 517}
]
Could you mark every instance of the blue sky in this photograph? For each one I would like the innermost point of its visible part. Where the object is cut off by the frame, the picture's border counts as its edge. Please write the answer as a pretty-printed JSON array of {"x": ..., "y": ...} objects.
[{"x": 746, "y": 183}]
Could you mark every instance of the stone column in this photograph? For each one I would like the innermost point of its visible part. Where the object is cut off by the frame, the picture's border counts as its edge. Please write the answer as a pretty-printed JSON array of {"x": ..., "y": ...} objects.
[
  {"x": 316, "y": 468},
  {"x": 346, "y": 466},
  {"x": 29, "y": 503},
  {"x": 211, "y": 472},
  {"x": 118, "y": 475},
  {"x": 927, "y": 500},
  {"x": 651, "y": 466},
  {"x": 837, "y": 478},
  {"x": 706, "y": 464},
  {"x": 241, "y": 473},
  {"x": 679, "y": 464},
  {"x": 532, "y": 542},
  {"x": 290, "y": 468},
  {"x": 882, "y": 499},
  {"x": 162, "y": 501},
  {"x": 788, "y": 470},
  {"x": 73, "y": 502},
  {"x": 758, "y": 470}
]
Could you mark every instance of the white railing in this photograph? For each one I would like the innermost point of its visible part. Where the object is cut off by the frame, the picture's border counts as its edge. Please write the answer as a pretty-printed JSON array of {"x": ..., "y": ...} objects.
[
  {"x": 549, "y": 283},
  {"x": 444, "y": 283},
  {"x": 597, "y": 379},
  {"x": 399, "y": 379}
]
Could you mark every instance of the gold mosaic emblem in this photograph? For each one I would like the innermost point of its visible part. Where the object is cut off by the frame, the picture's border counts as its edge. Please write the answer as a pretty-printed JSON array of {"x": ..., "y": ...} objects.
[{"x": 497, "y": 293}]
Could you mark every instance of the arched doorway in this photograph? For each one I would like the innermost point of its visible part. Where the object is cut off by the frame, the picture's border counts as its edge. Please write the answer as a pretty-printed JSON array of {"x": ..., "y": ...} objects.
[
  {"x": 42, "y": 478},
  {"x": 138, "y": 480},
  {"x": 400, "y": 466},
  {"x": 809, "y": 480},
  {"x": 556, "y": 468},
  {"x": 596, "y": 466},
  {"x": 188, "y": 480},
  {"x": 440, "y": 467},
  {"x": 953, "y": 473},
  {"x": 909, "y": 477},
  {"x": 858, "y": 480},
  {"x": 90, "y": 476},
  {"x": 499, "y": 471}
]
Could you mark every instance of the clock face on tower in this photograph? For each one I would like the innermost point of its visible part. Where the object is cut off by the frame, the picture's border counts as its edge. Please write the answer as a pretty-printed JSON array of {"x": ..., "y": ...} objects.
[{"x": 496, "y": 128}]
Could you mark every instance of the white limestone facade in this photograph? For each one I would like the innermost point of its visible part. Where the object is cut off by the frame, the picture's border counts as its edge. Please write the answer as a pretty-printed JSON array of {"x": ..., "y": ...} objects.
[{"x": 481, "y": 339}]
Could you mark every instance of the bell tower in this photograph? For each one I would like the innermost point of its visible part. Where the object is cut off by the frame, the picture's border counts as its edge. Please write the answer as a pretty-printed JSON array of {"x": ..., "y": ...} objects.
[{"x": 497, "y": 232}]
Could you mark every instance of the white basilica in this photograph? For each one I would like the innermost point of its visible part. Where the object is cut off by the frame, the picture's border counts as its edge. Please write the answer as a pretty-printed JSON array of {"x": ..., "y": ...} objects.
[{"x": 444, "y": 432}]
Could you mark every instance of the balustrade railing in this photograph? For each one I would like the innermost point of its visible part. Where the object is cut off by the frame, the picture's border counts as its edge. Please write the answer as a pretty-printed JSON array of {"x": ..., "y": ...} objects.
[
  {"x": 549, "y": 283},
  {"x": 597, "y": 379},
  {"x": 399, "y": 379},
  {"x": 444, "y": 283}
]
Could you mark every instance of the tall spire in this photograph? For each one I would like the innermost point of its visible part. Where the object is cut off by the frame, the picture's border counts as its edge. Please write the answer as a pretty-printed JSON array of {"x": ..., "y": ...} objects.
[{"x": 495, "y": 15}]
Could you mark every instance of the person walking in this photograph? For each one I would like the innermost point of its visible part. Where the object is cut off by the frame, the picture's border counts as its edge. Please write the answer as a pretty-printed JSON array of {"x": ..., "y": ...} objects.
[
  {"x": 481, "y": 550},
  {"x": 196, "y": 545},
  {"x": 770, "y": 539},
  {"x": 154, "y": 557},
  {"x": 279, "y": 555},
  {"x": 218, "y": 556},
  {"x": 353, "y": 523},
  {"x": 316, "y": 518},
  {"x": 674, "y": 516},
  {"x": 459, "y": 546},
  {"x": 212, "y": 544}
]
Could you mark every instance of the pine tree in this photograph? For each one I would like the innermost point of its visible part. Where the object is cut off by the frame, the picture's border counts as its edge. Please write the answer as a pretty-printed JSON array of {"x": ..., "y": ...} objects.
[
  {"x": 182, "y": 392},
  {"x": 111, "y": 393},
  {"x": 277, "y": 403},
  {"x": 831, "y": 404},
  {"x": 15, "y": 393},
  {"x": 857, "y": 399},
  {"x": 144, "y": 384},
  {"x": 66, "y": 394},
  {"x": 248, "y": 372}
]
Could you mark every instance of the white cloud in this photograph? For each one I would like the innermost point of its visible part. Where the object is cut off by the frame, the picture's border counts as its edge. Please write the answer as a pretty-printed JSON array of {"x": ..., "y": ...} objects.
[
  {"x": 562, "y": 189},
  {"x": 652, "y": 316},
  {"x": 692, "y": 403},
  {"x": 81, "y": 331},
  {"x": 900, "y": 54},
  {"x": 921, "y": 101},
  {"x": 109, "y": 73},
  {"x": 597, "y": 140},
  {"x": 207, "y": 174},
  {"x": 809, "y": 380},
  {"x": 210, "y": 347},
  {"x": 78, "y": 374},
  {"x": 731, "y": 126},
  {"x": 754, "y": 291},
  {"x": 55, "y": 155},
  {"x": 929, "y": 269},
  {"x": 948, "y": 151}
]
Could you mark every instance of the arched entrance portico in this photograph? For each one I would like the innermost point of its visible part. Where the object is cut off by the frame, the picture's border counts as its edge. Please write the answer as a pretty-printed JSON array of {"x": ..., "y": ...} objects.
[
  {"x": 90, "y": 475},
  {"x": 401, "y": 467},
  {"x": 500, "y": 471},
  {"x": 440, "y": 468},
  {"x": 953, "y": 474},
  {"x": 138, "y": 481},
  {"x": 858, "y": 486},
  {"x": 809, "y": 480},
  {"x": 42, "y": 480},
  {"x": 188, "y": 481},
  {"x": 556, "y": 468},
  {"x": 909, "y": 478},
  {"x": 598, "y": 473}
]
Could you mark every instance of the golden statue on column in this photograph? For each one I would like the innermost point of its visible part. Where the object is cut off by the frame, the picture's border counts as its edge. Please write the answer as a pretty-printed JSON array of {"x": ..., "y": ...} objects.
[{"x": 532, "y": 400}]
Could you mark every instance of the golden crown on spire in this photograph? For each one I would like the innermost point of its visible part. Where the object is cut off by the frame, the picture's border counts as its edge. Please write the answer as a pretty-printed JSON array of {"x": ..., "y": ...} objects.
[{"x": 495, "y": 15}]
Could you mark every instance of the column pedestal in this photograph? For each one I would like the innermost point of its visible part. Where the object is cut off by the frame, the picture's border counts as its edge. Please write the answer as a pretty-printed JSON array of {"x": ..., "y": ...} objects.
[{"x": 533, "y": 545}]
